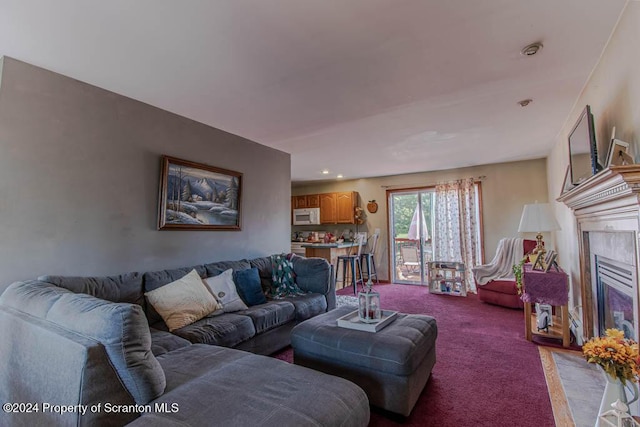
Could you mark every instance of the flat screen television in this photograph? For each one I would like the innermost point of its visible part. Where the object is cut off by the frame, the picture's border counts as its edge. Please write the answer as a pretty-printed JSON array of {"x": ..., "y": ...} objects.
[{"x": 583, "y": 154}]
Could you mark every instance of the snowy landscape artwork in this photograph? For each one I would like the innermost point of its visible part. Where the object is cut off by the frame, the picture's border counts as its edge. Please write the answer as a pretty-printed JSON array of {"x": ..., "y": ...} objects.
[{"x": 194, "y": 196}]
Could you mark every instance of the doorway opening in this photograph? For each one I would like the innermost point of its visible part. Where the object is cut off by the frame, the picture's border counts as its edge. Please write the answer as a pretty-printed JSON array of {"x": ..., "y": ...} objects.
[
  {"x": 411, "y": 214},
  {"x": 440, "y": 223}
]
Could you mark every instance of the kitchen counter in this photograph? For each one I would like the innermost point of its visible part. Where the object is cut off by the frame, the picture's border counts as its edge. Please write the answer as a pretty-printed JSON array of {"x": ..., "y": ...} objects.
[
  {"x": 329, "y": 245},
  {"x": 330, "y": 252}
]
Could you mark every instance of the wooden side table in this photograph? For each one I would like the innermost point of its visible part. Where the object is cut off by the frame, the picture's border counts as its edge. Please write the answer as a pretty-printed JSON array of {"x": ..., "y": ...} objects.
[{"x": 550, "y": 288}]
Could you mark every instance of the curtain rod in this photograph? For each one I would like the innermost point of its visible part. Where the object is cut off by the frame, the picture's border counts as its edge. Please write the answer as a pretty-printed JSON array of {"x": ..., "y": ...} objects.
[{"x": 432, "y": 184}]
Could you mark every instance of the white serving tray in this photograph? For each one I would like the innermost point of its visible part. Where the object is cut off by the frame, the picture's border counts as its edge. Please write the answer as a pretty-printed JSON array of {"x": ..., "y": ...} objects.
[{"x": 352, "y": 321}]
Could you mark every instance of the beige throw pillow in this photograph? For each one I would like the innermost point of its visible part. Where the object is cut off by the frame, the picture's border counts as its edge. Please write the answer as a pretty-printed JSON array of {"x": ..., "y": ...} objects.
[
  {"x": 183, "y": 302},
  {"x": 224, "y": 288}
]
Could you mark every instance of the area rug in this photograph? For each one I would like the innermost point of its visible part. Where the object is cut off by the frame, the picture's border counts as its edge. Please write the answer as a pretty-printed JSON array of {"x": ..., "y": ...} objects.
[
  {"x": 343, "y": 300},
  {"x": 486, "y": 372}
]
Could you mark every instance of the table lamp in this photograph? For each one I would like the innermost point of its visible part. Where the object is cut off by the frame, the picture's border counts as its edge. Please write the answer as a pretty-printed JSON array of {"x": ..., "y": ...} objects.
[{"x": 538, "y": 218}]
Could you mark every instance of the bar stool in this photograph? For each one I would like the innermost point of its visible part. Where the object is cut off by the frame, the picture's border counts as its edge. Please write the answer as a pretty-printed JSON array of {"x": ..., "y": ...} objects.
[
  {"x": 354, "y": 265},
  {"x": 368, "y": 259}
]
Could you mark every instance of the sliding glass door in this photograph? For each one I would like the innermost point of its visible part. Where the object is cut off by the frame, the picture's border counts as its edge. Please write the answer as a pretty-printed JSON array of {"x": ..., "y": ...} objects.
[{"x": 411, "y": 226}]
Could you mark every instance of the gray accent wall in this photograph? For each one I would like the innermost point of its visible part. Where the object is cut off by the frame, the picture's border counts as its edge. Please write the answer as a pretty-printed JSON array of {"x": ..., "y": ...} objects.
[{"x": 79, "y": 178}]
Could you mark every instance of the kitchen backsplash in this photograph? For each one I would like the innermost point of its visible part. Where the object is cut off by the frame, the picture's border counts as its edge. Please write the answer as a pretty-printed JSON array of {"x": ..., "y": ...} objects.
[{"x": 345, "y": 231}]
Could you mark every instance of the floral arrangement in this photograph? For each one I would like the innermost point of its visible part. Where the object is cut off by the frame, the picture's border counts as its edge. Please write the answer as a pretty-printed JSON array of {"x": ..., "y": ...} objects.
[{"x": 617, "y": 355}]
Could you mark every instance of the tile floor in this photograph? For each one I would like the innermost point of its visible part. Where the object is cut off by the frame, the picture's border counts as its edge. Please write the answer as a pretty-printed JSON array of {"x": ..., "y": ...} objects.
[{"x": 583, "y": 384}]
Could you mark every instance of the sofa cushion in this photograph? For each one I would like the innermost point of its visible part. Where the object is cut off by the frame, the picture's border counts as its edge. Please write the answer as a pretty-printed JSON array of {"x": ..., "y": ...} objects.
[
  {"x": 501, "y": 286},
  {"x": 224, "y": 289},
  {"x": 308, "y": 305},
  {"x": 227, "y": 330},
  {"x": 229, "y": 387},
  {"x": 163, "y": 342},
  {"x": 263, "y": 264},
  {"x": 121, "y": 288},
  {"x": 249, "y": 287},
  {"x": 313, "y": 274},
  {"x": 270, "y": 315},
  {"x": 184, "y": 301},
  {"x": 155, "y": 279},
  {"x": 120, "y": 327},
  {"x": 215, "y": 268},
  {"x": 44, "y": 362}
]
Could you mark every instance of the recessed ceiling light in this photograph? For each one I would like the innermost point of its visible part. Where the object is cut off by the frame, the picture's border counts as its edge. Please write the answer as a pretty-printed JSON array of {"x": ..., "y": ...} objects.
[
  {"x": 525, "y": 102},
  {"x": 531, "y": 49},
  {"x": 325, "y": 172},
  {"x": 340, "y": 176}
]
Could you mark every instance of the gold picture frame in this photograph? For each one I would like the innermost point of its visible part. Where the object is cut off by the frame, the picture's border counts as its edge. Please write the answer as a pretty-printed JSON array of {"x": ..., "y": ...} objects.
[
  {"x": 195, "y": 196},
  {"x": 537, "y": 261},
  {"x": 551, "y": 261}
]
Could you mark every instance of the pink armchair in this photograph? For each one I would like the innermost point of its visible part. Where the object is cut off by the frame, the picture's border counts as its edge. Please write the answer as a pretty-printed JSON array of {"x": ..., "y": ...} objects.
[{"x": 503, "y": 292}]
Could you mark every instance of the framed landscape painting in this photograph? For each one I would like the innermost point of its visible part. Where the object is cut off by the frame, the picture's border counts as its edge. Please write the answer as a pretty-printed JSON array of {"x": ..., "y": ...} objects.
[{"x": 195, "y": 196}]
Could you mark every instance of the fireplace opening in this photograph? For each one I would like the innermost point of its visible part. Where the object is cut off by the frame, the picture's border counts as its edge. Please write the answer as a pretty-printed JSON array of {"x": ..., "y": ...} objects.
[{"x": 615, "y": 302}]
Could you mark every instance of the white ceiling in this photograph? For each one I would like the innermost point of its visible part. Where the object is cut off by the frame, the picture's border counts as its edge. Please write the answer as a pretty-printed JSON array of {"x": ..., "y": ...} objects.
[{"x": 359, "y": 87}]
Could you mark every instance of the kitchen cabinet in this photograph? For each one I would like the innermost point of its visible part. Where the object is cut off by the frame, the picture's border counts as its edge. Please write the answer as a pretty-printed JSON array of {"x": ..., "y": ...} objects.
[
  {"x": 345, "y": 207},
  {"x": 335, "y": 208},
  {"x": 328, "y": 208},
  {"x": 313, "y": 200},
  {"x": 307, "y": 201},
  {"x": 298, "y": 202}
]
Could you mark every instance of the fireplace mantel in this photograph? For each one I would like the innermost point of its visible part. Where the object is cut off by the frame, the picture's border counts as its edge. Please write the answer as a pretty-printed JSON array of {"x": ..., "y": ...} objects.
[
  {"x": 607, "y": 202},
  {"x": 617, "y": 185}
]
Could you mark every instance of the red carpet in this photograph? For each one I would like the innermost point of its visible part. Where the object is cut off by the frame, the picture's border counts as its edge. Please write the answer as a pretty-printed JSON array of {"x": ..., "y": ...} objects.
[{"x": 486, "y": 373}]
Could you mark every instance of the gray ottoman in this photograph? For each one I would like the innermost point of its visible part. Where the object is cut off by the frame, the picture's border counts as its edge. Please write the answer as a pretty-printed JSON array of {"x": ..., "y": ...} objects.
[{"x": 391, "y": 365}]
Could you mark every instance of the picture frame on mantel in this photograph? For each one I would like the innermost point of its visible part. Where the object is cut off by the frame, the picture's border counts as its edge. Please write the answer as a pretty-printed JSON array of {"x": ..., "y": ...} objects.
[
  {"x": 567, "y": 184},
  {"x": 618, "y": 154},
  {"x": 195, "y": 196}
]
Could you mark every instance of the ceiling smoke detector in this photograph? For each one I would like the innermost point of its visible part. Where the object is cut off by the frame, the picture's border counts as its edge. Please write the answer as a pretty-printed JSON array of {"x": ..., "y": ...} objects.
[
  {"x": 532, "y": 49},
  {"x": 525, "y": 102}
]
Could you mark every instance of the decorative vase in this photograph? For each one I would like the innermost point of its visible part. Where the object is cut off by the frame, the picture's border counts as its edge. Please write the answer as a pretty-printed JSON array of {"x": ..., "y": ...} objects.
[{"x": 615, "y": 390}]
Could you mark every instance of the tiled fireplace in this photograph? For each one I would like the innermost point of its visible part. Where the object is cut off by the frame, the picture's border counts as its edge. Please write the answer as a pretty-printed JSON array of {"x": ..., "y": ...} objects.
[
  {"x": 614, "y": 283},
  {"x": 605, "y": 292}
]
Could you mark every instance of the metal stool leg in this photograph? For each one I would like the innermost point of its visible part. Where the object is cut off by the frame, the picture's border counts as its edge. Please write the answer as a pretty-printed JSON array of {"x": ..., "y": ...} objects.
[
  {"x": 345, "y": 266},
  {"x": 352, "y": 263},
  {"x": 371, "y": 266},
  {"x": 361, "y": 274}
]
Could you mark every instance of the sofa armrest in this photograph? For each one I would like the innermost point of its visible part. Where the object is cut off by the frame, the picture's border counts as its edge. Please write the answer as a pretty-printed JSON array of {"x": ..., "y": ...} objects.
[
  {"x": 48, "y": 363},
  {"x": 316, "y": 275}
]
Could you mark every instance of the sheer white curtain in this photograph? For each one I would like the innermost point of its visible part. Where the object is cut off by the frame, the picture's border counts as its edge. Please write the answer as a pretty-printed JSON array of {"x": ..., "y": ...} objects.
[{"x": 456, "y": 226}]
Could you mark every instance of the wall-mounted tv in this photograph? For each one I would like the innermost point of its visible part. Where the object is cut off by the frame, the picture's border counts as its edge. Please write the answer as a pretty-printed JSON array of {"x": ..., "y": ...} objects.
[{"x": 583, "y": 154}]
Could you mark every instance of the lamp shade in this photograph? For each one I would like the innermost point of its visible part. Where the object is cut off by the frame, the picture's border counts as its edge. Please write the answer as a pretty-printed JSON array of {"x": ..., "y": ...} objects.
[{"x": 536, "y": 218}]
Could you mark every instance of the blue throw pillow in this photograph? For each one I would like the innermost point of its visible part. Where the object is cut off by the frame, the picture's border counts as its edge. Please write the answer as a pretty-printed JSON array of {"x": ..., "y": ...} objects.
[{"x": 248, "y": 286}]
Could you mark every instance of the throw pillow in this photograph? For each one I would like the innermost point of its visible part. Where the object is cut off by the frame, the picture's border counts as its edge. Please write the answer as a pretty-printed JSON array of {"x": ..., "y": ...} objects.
[
  {"x": 249, "y": 287},
  {"x": 182, "y": 302},
  {"x": 283, "y": 277},
  {"x": 224, "y": 289}
]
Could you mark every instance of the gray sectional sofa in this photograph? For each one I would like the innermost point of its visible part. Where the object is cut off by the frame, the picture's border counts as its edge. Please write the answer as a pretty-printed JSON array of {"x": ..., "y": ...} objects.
[{"x": 96, "y": 354}]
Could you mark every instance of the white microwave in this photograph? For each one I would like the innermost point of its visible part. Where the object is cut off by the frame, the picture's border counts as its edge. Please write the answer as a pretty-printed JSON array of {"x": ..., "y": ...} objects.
[{"x": 309, "y": 216}]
